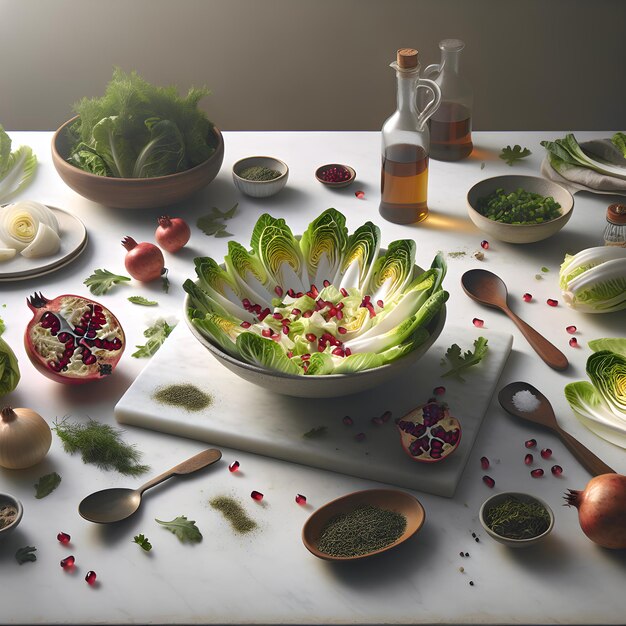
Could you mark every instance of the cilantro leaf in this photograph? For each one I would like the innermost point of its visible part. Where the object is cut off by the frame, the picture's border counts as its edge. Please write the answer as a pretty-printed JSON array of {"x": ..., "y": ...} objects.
[
  {"x": 25, "y": 554},
  {"x": 156, "y": 335},
  {"x": 46, "y": 485},
  {"x": 226, "y": 214},
  {"x": 223, "y": 233},
  {"x": 102, "y": 280},
  {"x": 142, "y": 301},
  {"x": 186, "y": 530},
  {"x": 516, "y": 153},
  {"x": 142, "y": 541},
  {"x": 213, "y": 224},
  {"x": 461, "y": 361}
]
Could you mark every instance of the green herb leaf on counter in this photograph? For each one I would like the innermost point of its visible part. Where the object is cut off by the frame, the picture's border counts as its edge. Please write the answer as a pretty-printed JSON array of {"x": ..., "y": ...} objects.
[
  {"x": 545, "y": 270},
  {"x": 46, "y": 485},
  {"x": 102, "y": 281},
  {"x": 142, "y": 301},
  {"x": 317, "y": 431},
  {"x": 223, "y": 233},
  {"x": 156, "y": 335},
  {"x": 514, "y": 154},
  {"x": 213, "y": 224},
  {"x": 186, "y": 530},
  {"x": 25, "y": 554},
  {"x": 142, "y": 541},
  {"x": 461, "y": 361}
]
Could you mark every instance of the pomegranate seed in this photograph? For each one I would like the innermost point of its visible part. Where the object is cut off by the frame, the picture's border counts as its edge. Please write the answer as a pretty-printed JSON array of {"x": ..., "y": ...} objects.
[
  {"x": 63, "y": 538},
  {"x": 285, "y": 329},
  {"x": 289, "y": 354},
  {"x": 90, "y": 577},
  {"x": 291, "y": 293},
  {"x": 68, "y": 561},
  {"x": 263, "y": 314},
  {"x": 484, "y": 462},
  {"x": 344, "y": 293},
  {"x": 256, "y": 495},
  {"x": 552, "y": 302},
  {"x": 490, "y": 482},
  {"x": 234, "y": 466},
  {"x": 307, "y": 314},
  {"x": 537, "y": 473},
  {"x": 296, "y": 311},
  {"x": 314, "y": 291},
  {"x": 571, "y": 329},
  {"x": 370, "y": 308},
  {"x": 439, "y": 391},
  {"x": 339, "y": 314},
  {"x": 478, "y": 322},
  {"x": 557, "y": 470},
  {"x": 278, "y": 290},
  {"x": 338, "y": 352},
  {"x": 246, "y": 303},
  {"x": 300, "y": 499},
  {"x": 546, "y": 453},
  {"x": 347, "y": 420},
  {"x": 573, "y": 342},
  {"x": 484, "y": 244},
  {"x": 277, "y": 316},
  {"x": 266, "y": 332},
  {"x": 348, "y": 352},
  {"x": 341, "y": 330},
  {"x": 326, "y": 283},
  {"x": 285, "y": 321},
  {"x": 305, "y": 357},
  {"x": 528, "y": 459},
  {"x": 359, "y": 436},
  {"x": 380, "y": 303},
  {"x": 245, "y": 324},
  {"x": 359, "y": 194},
  {"x": 531, "y": 443},
  {"x": 527, "y": 297},
  {"x": 386, "y": 416}
]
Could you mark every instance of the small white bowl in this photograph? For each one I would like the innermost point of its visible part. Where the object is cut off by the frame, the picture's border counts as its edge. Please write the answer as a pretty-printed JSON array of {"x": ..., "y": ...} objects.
[
  {"x": 520, "y": 233},
  {"x": 6, "y": 498},
  {"x": 260, "y": 188},
  {"x": 507, "y": 541}
]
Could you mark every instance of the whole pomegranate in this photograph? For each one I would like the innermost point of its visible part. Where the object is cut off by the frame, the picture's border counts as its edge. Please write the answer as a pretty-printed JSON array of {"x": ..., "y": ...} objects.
[{"x": 72, "y": 339}]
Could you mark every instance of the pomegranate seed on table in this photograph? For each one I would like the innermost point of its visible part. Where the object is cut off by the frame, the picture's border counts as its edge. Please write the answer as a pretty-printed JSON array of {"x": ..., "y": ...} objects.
[
  {"x": 63, "y": 538},
  {"x": 256, "y": 495},
  {"x": 552, "y": 302},
  {"x": 546, "y": 453},
  {"x": 347, "y": 420},
  {"x": 484, "y": 462},
  {"x": 537, "y": 473},
  {"x": 556, "y": 470},
  {"x": 326, "y": 283},
  {"x": 571, "y": 329},
  {"x": 234, "y": 466},
  {"x": 300, "y": 499},
  {"x": 527, "y": 297},
  {"x": 484, "y": 244},
  {"x": 490, "y": 482},
  {"x": 359, "y": 194},
  {"x": 478, "y": 322},
  {"x": 68, "y": 561},
  {"x": 90, "y": 577},
  {"x": 573, "y": 342},
  {"x": 530, "y": 443},
  {"x": 528, "y": 459}
]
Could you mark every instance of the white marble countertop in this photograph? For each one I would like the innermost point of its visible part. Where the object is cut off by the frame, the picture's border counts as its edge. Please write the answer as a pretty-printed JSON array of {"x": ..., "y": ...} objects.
[{"x": 268, "y": 576}]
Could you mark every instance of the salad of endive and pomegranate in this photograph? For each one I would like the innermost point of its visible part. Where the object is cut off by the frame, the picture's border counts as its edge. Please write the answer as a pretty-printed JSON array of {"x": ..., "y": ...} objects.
[{"x": 327, "y": 303}]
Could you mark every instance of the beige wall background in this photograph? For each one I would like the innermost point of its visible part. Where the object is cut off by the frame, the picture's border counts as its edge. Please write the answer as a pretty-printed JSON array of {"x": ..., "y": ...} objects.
[{"x": 317, "y": 64}]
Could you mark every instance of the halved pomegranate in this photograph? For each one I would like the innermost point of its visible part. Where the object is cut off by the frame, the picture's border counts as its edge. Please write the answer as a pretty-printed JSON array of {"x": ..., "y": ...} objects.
[
  {"x": 72, "y": 339},
  {"x": 429, "y": 433}
]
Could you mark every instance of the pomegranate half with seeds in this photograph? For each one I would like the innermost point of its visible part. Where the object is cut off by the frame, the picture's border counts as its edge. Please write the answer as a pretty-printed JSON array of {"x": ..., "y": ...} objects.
[
  {"x": 429, "y": 433},
  {"x": 72, "y": 339}
]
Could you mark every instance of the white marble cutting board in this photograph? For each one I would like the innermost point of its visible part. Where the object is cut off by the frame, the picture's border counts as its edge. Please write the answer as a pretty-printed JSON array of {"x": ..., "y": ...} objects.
[{"x": 246, "y": 417}]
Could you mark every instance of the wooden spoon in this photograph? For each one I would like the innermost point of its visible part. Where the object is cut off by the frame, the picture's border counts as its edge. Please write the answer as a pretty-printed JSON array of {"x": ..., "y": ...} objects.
[
  {"x": 489, "y": 289},
  {"x": 544, "y": 416}
]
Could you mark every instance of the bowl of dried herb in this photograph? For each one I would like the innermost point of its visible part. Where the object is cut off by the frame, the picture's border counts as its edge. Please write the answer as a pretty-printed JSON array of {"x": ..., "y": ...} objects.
[
  {"x": 260, "y": 176},
  {"x": 11, "y": 512},
  {"x": 516, "y": 520}
]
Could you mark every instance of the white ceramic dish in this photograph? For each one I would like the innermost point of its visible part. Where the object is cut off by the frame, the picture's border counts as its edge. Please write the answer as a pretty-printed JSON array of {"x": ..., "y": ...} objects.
[
  {"x": 260, "y": 188},
  {"x": 6, "y": 498}
]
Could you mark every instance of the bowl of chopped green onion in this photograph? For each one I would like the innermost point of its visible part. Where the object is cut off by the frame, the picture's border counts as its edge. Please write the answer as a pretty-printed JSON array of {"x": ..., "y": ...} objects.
[
  {"x": 519, "y": 209},
  {"x": 260, "y": 176},
  {"x": 516, "y": 520}
]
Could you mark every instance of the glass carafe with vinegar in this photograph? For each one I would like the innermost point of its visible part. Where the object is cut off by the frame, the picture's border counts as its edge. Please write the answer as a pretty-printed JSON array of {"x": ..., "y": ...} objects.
[{"x": 405, "y": 145}]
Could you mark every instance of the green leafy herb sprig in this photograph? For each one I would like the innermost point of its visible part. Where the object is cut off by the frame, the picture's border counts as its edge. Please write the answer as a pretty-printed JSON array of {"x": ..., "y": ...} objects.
[
  {"x": 156, "y": 335},
  {"x": 142, "y": 301},
  {"x": 142, "y": 541},
  {"x": 101, "y": 281},
  {"x": 100, "y": 445},
  {"x": 25, "y": 554},
  {"x": 213, "y": 223},
  {"x": 514, "y": 154},
  {"x": 186, "y": 530},
  {"x": 461, "y": 361},
  {"x": 46, "y": 485}
]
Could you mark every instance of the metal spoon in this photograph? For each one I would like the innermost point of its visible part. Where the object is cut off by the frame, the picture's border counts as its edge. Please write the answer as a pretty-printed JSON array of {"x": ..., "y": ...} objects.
[
  {"x": 487, "y": 288},
  {"x": 544, "y": 416},
  {"x": 115, "y": 505}
]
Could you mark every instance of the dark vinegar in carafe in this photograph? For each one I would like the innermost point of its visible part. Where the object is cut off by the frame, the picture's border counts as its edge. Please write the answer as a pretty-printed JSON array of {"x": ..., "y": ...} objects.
[
  {"x": 404, "y": 184},
  {"x": 450, "y": 132}
]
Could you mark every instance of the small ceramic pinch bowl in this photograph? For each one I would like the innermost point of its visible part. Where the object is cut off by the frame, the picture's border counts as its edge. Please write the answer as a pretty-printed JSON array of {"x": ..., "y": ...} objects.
[
  {"x": 520, "y": 233},
  {"x": 389, "y": 499},
  {"x": 325, "y": 173},
  {"x": 523, "y": 497},
  {"x": 11, "y": 521},
  {"x": 260, "y": 188}
]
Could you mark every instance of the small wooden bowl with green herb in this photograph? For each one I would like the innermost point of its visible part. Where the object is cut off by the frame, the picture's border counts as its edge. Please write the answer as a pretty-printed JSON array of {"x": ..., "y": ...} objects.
[
  {"x": 519, "y": 209},
  {"x": 516, "y": 520},
  {"x": 362, "y": 523},
  {"x": 260, "y": 176}
]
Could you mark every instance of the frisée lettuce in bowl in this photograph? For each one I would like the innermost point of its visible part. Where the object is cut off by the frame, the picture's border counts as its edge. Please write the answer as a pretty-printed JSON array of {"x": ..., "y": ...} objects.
[{"x": 326, "y": 314}]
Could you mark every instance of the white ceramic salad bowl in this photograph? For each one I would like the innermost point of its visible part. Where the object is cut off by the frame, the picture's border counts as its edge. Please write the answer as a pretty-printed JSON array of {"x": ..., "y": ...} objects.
[{"x": 263, "y": 316}]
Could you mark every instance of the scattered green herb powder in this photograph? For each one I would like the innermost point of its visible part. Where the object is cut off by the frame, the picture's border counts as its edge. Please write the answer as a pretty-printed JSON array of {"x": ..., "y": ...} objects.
[
  {"x": 259, "y": 173},
  {"x": 186, "y": 396},
  {"x": 457, "y": 255},
  {"x": 8, "y": 513},
  {"x": 363, "y": 530},
  {"x": 101, "y": 445},
  {"x": 234, "y": 513},
  {"x": 516, "y": 519}
]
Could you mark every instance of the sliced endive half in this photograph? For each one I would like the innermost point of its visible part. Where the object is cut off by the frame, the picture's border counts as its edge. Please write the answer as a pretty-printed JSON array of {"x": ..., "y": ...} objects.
[{"x": 45, "y": 243}]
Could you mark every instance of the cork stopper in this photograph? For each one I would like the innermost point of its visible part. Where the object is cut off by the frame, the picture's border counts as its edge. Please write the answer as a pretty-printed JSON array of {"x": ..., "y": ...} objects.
[
  {"x": 407, "y": 58},
  {"x": 616, "y": 214}
]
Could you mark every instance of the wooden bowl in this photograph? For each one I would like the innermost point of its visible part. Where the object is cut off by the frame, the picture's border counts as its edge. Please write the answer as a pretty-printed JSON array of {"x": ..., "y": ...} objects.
[
  {"x": 319, "y": 172},
  {"x": 389, "y": 499},
  {"x": 134, "y": 193}
]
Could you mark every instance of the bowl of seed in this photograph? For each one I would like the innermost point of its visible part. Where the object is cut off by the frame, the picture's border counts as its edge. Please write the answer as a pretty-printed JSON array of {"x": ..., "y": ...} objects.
[
  {"x": 11, "y": 512},
  {"x": 516, "y": 520},
  {"x": 362, "y": 524},
  {"x": 260, "y": 176}
]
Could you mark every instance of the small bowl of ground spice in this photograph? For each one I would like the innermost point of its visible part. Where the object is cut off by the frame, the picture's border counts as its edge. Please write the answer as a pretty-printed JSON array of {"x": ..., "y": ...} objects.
[
  {"x": 335, "y": 175},
  {"x": 260, "y": 176},
  {"x": 11, "y": 512},
  {"x": 516, "y": 520},
  {"x": 362, "y": 524}
]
